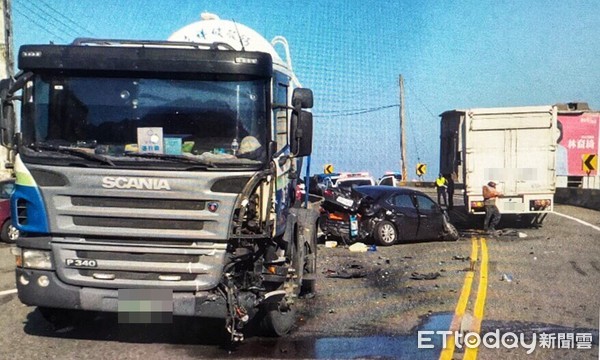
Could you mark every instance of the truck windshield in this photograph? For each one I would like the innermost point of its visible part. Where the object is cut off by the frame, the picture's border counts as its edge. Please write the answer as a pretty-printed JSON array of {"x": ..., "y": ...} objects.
[{"x": 144, "y": 121}]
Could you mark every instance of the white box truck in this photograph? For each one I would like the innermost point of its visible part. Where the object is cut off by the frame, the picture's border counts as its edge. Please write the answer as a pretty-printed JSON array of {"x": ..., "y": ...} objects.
[{"x": 514, "y": 147}]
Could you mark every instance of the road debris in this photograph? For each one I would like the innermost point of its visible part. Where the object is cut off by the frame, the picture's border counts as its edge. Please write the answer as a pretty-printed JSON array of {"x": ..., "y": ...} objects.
[
  {"x": 511, "y": 232},
  {"x": 330, "y": 244},
  {"x": 461, "y": 258},
  {"x": 348, "y": 271},
  {"x": 507, "y": 278},
  {"x": 358, "y": 247},
  {"x": 429, "y": 276}
]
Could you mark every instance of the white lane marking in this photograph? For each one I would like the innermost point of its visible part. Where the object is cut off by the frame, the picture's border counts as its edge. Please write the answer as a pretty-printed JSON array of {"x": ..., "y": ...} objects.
[
  {"x": 8, "y": 292},
  {"x": 578, "y": 220}
]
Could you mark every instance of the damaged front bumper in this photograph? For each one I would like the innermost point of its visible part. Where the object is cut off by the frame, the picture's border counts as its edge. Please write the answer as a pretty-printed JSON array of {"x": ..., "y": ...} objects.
[{"x": 57, "y": 294}]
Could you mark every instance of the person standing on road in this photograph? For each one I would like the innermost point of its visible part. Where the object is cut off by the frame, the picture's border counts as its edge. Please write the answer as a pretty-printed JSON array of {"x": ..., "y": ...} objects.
[
  {"x": 441, "y": 184},
  {"x": 450, "y": 192},
  {"x": 492, "y": 214}
]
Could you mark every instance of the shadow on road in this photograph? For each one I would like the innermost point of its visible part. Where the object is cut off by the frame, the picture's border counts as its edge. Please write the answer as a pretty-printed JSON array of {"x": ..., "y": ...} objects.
[{"x": 105, "y": 327}]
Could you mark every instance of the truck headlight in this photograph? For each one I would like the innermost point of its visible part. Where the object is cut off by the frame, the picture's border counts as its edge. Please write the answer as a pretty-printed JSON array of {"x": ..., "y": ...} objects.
[{"x": 36, "y": 259}]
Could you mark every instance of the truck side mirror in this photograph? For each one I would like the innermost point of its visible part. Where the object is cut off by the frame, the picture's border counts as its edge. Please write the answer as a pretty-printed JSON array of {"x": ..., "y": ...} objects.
[
  {"x": 302, "y": 98},
  {"x": 7, "y": 113},
  {"x": 301, "y": 134}
]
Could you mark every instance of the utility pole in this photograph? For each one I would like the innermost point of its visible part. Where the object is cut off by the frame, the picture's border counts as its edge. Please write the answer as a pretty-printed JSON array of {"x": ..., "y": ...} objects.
[
  {"x": 402, "y": 137},
  {"x": 6, "y": 39}
]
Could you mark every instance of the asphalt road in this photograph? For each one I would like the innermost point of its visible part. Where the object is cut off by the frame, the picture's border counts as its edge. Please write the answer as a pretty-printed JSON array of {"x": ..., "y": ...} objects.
[{"x": 374, "y": 304}]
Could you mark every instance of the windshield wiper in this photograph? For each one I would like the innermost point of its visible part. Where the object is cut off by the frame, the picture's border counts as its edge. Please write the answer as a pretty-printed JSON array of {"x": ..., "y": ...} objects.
[
  {"x": 177, "y": 158},
  {"x": 75, "y": 152}
]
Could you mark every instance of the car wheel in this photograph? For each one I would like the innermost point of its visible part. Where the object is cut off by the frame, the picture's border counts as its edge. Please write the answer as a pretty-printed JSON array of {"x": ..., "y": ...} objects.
[
  {"x": 451, "y": 234},
  {"x": 386, "y": 233},
  {"x": 9, "y": 233}
]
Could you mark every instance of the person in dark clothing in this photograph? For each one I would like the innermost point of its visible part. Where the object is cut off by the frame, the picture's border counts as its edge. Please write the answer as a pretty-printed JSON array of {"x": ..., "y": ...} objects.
[
  {"x": 441, "y": 184},
  {"x": 450, "y": 192},
  {"x": 492, "y": 214}
]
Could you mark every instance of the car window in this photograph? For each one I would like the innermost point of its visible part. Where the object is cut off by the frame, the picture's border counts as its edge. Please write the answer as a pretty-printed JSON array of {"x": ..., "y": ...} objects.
[
  {"x": 425, "y": 204},
  {"x": 402, "y": 201},
  {"x": 354, "y": 182},
  {"x": 6, "y": 190},
  {"x": 386, "y": 181}
]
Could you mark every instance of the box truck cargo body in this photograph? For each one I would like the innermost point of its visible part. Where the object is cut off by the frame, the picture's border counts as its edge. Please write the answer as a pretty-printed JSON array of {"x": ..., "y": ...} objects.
[{"x": 514, "y": 147}]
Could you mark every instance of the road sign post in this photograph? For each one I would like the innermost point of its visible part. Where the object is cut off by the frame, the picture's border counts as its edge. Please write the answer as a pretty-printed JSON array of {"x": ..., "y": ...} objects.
[
  {"x": 421, "y": 169},
  {"x": 589, "y": 163}
]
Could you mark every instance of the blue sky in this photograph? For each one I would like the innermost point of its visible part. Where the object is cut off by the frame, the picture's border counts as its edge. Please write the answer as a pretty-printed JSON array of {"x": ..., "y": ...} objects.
[{"x": 452, "y": 54}]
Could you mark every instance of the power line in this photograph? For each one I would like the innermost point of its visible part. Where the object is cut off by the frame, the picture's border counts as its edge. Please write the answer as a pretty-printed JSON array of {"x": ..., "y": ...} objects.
[
  {"x": 412, "y": 135},
  {"x": 43, "y": 18},
  {"x": 39, "y": 25},
  {"x": 336, "y": 113},
  {"x": 351, "y": 110},
  {"x": 85, "y": 30},
  {"x": 422, "y": 103},
  {"x": 70, "y": 28}
]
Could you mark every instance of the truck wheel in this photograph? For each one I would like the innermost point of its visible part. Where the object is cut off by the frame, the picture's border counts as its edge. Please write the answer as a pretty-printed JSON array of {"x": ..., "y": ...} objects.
[
  {"x": 59, "y": 318},
  {"x": 278, "y": 318},
  {"x": 386, "y": 233},
  {"x": 9, "y": 233},
  {"x": 309, "y": 268}
]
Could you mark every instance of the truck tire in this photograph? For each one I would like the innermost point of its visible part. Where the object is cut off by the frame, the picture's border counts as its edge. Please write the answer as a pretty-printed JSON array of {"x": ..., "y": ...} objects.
[
  {"x": 58, "y": 318},
  {"x": 386, "y": 233},
  {"x": 61, "y": 318},
  {"x": 309, "y": 265},
  {"x": 278, "y": 319}
]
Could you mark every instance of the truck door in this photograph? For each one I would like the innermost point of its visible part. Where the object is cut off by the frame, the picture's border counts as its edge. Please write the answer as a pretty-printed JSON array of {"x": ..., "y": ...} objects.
[
  {"x": 488, "y": 153},
  {"x": 534, "y": 155},
  {"x": 283, "y": 164}
]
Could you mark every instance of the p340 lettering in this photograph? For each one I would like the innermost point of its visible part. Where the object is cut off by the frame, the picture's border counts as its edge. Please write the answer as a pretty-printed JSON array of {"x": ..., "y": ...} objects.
[{"x": 85, "y": 263}]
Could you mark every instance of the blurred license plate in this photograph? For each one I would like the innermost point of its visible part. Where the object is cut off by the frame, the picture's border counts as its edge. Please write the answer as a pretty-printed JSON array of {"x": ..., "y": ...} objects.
[
  {"x": 145, "y": 306},
  {"x": 344, "y": 201}
]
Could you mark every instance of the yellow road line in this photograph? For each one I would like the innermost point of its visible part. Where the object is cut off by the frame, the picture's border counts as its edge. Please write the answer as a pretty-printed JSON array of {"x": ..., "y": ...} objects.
[
  {"x": 474, "y": 252},
  {"x": 448, "y": 352},
  {"x": 471, "y": 353}
]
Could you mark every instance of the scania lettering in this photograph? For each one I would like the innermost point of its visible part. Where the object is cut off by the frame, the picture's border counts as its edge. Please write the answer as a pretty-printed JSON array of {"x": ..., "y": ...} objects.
[
  {"x": 168, "y": 166},
  {"x": 135, "y": 183}
]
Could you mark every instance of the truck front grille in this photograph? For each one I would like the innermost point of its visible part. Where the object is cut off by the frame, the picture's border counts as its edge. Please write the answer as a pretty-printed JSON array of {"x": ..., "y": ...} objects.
[
  {"x": 181, "y": 268},
  {"x": 138, "y": 223},
  {"x": 133, "y": 275},
  {"x": 147, "y": 257},
  {"x": 138, "y": 203}
]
